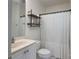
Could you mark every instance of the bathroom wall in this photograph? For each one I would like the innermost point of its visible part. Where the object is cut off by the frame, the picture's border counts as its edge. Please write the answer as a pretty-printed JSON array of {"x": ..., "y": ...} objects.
[
  {"x": 58, "y": 7},
  {"x": 22, "y": 19},
  {"x": 22, "y": 8},
  {"x": 37, "y": 8},
  {"x": 18, "y": 9},
  {"x": 15, "y": 18}
]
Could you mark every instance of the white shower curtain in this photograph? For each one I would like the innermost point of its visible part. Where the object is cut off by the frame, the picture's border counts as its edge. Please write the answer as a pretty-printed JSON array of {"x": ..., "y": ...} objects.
[{"x": 55, "y": 34}]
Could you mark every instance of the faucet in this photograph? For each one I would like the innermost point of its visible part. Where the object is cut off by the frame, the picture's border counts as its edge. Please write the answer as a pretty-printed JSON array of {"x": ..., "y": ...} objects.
[{"x": 13, "y": 41}]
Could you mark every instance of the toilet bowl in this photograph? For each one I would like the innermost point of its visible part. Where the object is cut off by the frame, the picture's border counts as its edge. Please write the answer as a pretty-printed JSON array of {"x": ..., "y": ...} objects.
[{"x": 44, "y": 54}]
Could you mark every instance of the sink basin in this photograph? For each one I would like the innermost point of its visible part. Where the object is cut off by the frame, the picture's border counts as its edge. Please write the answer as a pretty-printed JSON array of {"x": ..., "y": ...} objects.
[{"x": 14, "y": 45}]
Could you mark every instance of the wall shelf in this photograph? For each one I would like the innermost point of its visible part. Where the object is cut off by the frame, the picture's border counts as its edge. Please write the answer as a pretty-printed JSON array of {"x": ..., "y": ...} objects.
[{"x": 33, "y": 22}]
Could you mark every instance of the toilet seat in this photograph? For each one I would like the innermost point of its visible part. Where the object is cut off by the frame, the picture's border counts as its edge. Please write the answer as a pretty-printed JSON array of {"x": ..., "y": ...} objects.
[{"x": 45, "y": 53}]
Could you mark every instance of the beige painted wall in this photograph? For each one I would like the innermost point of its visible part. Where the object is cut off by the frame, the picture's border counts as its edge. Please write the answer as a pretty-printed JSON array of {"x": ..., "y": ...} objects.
[{"x": 59, "y": 7}]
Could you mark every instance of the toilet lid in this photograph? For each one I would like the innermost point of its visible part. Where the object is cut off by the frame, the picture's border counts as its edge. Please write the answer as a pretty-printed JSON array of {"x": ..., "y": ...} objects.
[{"x": 44, "y": 51}]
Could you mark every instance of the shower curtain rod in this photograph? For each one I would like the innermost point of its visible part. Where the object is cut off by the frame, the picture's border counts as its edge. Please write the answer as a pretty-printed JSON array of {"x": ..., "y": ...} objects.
[{"x": 55, "y": 12}]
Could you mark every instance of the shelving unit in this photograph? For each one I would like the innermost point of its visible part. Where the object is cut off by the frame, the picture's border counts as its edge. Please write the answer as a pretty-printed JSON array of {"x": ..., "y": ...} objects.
[
  {"x": 32, "y": 24},
  {"x": 32, "y": 15}
]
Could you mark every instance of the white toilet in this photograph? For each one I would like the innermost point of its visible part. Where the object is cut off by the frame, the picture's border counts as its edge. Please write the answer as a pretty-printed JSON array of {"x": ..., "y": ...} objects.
[{"x": 44, "y": 54}]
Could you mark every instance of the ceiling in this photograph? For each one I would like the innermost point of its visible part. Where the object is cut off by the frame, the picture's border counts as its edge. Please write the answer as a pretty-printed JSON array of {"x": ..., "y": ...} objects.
[
  {"x": 47, "y": 3},
  {"x": 53, "y": 2}
]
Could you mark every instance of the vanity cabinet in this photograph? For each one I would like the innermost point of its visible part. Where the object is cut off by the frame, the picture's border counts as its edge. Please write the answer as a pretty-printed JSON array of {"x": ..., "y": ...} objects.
[
  {"x": 18, "y": 55},
  {"x": 26, "y": 53}
]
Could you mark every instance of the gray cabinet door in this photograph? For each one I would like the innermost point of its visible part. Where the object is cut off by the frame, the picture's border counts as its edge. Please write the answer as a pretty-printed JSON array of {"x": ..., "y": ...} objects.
[
  {"x": 31, "y": 54},
  {"x": 18, "y": 55}
]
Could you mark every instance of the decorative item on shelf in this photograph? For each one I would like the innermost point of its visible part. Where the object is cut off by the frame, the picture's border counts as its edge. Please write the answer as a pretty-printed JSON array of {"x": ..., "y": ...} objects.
[{"x": 34, "y": 19}]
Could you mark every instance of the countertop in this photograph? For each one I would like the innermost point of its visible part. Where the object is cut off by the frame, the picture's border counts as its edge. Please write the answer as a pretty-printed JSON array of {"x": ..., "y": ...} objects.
[{"x": 21, "y": 43}]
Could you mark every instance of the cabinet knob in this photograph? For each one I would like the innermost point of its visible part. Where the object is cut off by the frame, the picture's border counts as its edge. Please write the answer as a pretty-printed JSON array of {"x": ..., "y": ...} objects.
[{"x": 26, "y": 51}]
